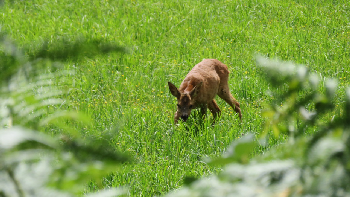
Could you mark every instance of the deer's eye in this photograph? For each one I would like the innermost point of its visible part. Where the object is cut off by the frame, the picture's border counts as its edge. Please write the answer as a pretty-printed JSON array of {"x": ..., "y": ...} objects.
[{"x": 191, "y": 106}]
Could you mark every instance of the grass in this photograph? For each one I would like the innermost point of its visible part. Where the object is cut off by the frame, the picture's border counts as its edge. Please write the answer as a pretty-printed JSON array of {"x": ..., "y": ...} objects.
[{"x": 127, "y": 94}]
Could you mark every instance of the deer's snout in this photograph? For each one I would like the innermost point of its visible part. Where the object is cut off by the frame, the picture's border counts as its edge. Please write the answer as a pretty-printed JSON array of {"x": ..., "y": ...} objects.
[{"x": 184, "y": 117}]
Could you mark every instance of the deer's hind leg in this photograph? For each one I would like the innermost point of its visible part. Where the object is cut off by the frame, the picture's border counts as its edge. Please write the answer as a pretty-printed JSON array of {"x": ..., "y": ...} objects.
[
  {"x": 214, "y": 108},
  {"x": 224, "y": 93}
]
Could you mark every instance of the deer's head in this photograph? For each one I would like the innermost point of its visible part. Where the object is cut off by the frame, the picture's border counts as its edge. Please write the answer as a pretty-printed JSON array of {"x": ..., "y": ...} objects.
[{"x": 185, "y": 101}]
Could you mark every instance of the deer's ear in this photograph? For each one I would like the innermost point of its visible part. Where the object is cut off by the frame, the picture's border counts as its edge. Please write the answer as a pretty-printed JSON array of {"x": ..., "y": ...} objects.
[
  {"x": 195, "y": 90},
  {"x": 173, "y": 89}
]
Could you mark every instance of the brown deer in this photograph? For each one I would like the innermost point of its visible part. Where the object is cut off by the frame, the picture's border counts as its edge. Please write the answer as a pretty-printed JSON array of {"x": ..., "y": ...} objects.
[{"x": 199, "y": 88}]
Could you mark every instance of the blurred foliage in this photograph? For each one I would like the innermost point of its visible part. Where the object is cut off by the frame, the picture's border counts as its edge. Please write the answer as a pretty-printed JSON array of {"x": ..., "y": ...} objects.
[
  {"x": 310, "y": 163},
  {"x": 66, "y": 49},
  {"x": 27, "y": 61},
  {"x": 31, "y": 92}
]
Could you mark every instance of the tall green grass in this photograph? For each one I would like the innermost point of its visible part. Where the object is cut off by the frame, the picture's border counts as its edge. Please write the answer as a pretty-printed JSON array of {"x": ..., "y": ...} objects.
[{"x": 128, "y": 94}]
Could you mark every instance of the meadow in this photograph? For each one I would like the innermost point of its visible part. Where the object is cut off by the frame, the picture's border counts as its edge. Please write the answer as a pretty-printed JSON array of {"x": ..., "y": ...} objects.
[{"x": 126, "y": 94}]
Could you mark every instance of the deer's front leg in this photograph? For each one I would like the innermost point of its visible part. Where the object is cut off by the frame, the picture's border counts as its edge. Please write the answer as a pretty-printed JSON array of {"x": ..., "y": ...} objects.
[
  {"x": 204, "y": 108},
  {"x": 177, "y": 116}
]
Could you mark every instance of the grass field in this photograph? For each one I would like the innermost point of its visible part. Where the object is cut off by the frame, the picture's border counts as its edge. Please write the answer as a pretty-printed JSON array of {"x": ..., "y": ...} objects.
[{"x": 127, "y": 94}]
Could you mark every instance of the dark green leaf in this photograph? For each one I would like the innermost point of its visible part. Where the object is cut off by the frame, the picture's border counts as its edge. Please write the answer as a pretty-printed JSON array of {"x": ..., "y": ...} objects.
[
  {"x": 347, "y": 107},
  {"x": 66, "y": 49},
  {"x": 93, "y": 149},
  {"x": 189, "y": 180}
]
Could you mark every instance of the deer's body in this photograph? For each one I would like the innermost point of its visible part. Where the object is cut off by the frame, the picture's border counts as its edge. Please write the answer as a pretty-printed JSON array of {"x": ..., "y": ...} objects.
[{"x": 199, "y": 88}]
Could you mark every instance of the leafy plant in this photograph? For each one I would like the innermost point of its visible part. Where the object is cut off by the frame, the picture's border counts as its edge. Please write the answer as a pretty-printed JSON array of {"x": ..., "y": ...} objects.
[
  {"x": 33, "y": 163},
  {"x": 305, "y": 165}
]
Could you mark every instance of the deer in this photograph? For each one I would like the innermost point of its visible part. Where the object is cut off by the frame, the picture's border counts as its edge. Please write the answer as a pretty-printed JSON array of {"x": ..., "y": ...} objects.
[{"x": 199, "y": 88}]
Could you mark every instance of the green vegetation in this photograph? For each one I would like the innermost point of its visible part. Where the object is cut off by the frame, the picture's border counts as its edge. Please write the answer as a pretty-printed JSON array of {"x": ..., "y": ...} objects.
[{"x": 126, "y": 94}]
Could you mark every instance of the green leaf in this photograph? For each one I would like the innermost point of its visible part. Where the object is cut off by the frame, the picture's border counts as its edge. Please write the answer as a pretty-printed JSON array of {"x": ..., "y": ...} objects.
[
  {"x": 13, "y": 137},
  {"x": 314, "y": 80},
  {"x": 275, "y": 130},
  {"x": 301, "y": 73},
  {"x": 77, "y": 116},
  {"x": 324, "y": 149},
  {"x": 306, "y": 114},
  {"x": 11, "y": 59},
  {"x": 238, "y": 151},
  {"x": 92, "y": 149},
  {"x": 322, "y": 104},
  {"x": 73, "y": 178},
  {"x": 29, "y": 155},
  {"x": 294, "y": 85},
  {"x": 347, "y": 107},
  {"x": 331, "y": 86},
  {"x": 266, "y": 173},
  {"x": 113, "y": 192},
  {"x": 189, "y": 180}
]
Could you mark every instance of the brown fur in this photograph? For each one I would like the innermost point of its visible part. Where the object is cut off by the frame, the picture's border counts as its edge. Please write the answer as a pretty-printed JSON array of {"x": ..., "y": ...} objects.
[{"x": 199, "y": 88}]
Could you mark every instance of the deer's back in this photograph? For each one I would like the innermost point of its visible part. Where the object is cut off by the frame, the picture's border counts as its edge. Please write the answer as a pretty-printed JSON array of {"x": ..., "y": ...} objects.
[{"x": 211, "y": 72}]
